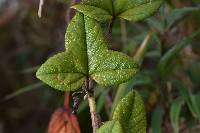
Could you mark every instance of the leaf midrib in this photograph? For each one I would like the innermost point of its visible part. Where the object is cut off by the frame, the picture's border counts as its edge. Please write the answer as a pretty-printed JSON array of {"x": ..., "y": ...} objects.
[
  {"x": 87, "y": 60},
  {"x": 113, "y": 70},
  {"x": 62, "y": 73}
]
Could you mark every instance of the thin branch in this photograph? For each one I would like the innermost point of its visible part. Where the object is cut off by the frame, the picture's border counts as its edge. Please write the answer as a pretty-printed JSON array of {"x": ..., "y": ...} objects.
[
  {"x": 95, "y": 117},
  {"x": 40, "y": 8},
  {"x": 96, "y": 121}
]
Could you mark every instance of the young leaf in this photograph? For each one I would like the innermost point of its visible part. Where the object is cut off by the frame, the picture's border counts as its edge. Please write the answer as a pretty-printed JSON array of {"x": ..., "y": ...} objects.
[
  {"x": 105, "y": 10},
  {"x": 175, "y": 112},
  {"x": 136, "y": 9},
  {"x": 131, "y": 113},
  {"x": 110, "y": 127},
  {"x": 86, "y": 56}
]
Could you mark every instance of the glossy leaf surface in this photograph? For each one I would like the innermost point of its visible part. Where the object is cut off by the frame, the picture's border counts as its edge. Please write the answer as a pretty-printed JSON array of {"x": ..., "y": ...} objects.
[
  {"x": 131, "y": 113},
  {"x": 86, "y": 56},
  {"x": 110, "y": 127}
]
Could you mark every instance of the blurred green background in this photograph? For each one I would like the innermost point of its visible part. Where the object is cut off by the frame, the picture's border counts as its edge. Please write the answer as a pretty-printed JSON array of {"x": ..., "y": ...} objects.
[{"x": 169, "y": 80}]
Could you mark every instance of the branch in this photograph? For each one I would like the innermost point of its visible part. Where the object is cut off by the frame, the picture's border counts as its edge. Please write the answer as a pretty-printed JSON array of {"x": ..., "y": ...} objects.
[
  {"x": 96, "y": 121},
  {"x": 40, "y": 8},
  {"x": 95, "y": 117}
]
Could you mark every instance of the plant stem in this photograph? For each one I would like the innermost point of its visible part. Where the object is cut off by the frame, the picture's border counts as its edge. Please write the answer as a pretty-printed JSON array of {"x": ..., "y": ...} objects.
[
  {"x": 40, "y": 8},
  {"x": 109, "y": 31},
  {"x": 96, "y": 120}
]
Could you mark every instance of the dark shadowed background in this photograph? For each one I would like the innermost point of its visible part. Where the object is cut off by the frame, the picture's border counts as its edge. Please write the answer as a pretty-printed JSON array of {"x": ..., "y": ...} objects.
[{"x": 26, "y": 41}]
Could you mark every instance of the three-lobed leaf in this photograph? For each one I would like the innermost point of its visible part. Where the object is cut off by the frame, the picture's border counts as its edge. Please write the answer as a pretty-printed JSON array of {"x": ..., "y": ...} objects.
[
  {"x": 105, "y": 10},
  {"x": 86, "y": 56},
  {"x": 130, "y": 112}
]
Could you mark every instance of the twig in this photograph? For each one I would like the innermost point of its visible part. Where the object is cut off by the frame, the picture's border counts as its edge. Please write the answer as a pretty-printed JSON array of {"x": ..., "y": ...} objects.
[
  {"x": 96, "y": 120},
  {"x": 40, "y": 8}
]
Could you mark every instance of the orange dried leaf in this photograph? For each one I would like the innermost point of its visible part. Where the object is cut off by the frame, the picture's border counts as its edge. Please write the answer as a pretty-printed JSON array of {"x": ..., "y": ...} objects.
[{"x": 63, "y": 122}]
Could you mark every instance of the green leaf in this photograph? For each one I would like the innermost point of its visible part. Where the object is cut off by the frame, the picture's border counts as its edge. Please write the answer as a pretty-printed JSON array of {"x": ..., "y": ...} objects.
[
  {"x": 104, "y": 4},
  {"x": 101, "y": 10},
  {"x": 110, "y": 127},
  {"x": 131, "y": 113},
  {"x": 157, "y": 119},
  {"x": 175, "y": 111},
  {"x": 192, "y": 100},
  {"x": 136, "y": 9},
  {"x": 86, "y": 55},
  {"x": 179, "y": 13},
  {"x": 59, "y": 72},
  {"x": 101, "y": 100},
  {"x": 94, "y": 12},
  {"x": 105, "y": 10},
  {"x": 195, "y": 105},
  {"x": 105, "y": 66},
  {"x": 173, "y": 52},
  {"x": 140, "y": 79}
]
